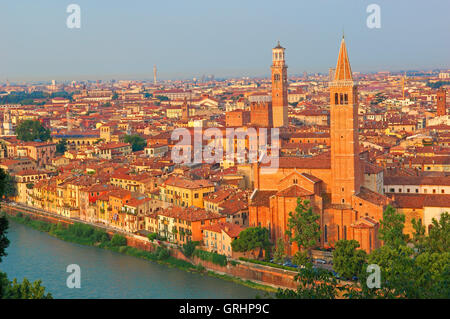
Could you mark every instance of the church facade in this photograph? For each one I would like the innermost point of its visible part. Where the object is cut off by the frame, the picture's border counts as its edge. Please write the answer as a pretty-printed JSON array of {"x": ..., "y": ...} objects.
[{"x": 333, "y": 182}]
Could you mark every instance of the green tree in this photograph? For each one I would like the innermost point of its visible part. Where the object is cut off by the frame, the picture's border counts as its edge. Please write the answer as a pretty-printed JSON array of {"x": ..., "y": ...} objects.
[
  {"x": 162, "y": 98},
  {"x": 419, "y": 239},
  {"x": 7, "y": 184},
  {"x": 61, "y": 147},
  {"x": 439, "y": 234},
  {"x": 4, "y": 241},
  {"x": 348, "y": 261},
  {"x": 252, "y": 238},
  {"x": 26, "y": 290},
  {"x": 118, "y": 240},
  {"x": 30, "y": 130},
  {"x": 392, "y": 224},
  {"x": 303, "y": 228},
  {"x": 279, "y": 251},
  {"x": 189, "y": 248},
  {"x": 314, "y": 283},
  {"x": 137, "y": 142}
]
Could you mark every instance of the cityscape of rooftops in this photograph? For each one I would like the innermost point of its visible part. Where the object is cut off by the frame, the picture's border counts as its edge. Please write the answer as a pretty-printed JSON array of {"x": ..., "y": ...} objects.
[{"x": 206, "y": 151}]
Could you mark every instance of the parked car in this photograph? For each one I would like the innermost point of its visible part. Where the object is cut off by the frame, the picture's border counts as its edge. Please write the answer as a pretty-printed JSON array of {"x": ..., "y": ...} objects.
[{"x": 321, "y": 261}]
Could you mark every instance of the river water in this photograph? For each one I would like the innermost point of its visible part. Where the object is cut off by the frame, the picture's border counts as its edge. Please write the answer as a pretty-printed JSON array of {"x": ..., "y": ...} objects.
[{"x": 104, "y": 274}]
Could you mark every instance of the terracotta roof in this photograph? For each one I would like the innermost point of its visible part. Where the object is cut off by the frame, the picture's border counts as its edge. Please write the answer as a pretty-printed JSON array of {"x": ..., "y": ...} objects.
[
  {"x": 417, "y": 180},
  {"x": 261, "y": 198},
  {"x": 294, "y": 191},
  {"x": 183, "y": 182},
  {"x": 316, "y": 162},
  {"x": 231, "y": 230},
  {"x": 373, "y": 197},
  {"x": 189, "y": 213}
]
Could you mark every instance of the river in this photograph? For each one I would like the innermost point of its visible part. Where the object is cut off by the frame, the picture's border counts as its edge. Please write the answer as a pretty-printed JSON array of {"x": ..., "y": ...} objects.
[{"x": 104, "y": 274}]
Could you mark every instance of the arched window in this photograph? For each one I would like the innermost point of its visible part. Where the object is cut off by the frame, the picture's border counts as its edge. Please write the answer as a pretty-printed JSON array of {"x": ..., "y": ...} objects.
[
  {"x": 338, "y": 232},
  {"x": 277, "y": 77},
  {"x": 345, "y": 232},
  {"x": 341, "y": 99},
  {"x": 325, "y": 234},
  {"x": 336, "y": 98},
  {"x": 345, "y": 98}
]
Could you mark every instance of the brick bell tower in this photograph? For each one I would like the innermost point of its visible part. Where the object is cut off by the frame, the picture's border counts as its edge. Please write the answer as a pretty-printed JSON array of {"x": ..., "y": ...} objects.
[
  {"x": 441, "y": 102},
  {"x": 279, "y": 88},
  {"x": 345, "y": 164}
]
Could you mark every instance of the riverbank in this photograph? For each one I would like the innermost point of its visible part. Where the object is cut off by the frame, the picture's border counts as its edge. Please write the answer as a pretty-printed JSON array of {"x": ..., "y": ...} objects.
[{"x": 91, "y": 236}]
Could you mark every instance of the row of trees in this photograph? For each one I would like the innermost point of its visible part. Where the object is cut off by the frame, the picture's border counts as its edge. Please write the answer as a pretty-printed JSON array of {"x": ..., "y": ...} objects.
[{"x": 417, "y": 267}]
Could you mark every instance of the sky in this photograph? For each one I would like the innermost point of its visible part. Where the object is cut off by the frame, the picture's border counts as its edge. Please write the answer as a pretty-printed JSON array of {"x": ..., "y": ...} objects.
[{"x": 123, "y": 39}]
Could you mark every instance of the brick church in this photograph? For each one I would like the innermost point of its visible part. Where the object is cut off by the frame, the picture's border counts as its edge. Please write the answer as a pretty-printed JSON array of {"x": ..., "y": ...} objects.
[{"x": 332, "y": 181}]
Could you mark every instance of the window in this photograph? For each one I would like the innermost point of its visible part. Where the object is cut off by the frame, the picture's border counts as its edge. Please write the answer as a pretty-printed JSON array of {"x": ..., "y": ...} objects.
[
  {"x": 336, "y": 98},
  {"x": 325, "y": 234}
]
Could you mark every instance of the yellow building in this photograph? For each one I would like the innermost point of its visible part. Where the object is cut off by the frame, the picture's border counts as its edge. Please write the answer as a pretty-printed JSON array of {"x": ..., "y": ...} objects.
[{"x": 181, "y": 191}]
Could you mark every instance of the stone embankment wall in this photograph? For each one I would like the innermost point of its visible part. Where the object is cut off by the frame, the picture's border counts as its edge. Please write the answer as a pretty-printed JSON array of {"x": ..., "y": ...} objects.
[{"x": 244, "y": 270}]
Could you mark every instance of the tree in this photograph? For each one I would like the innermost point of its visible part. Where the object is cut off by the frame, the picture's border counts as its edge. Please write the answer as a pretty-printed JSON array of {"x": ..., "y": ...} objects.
[
  {"x": 314, "y": 283},
  {"x": 137, "y": 142},
  {"x": 439, "y": 234},
  {"x": 30, "y": 130},
  {"x": 7, "y": 184},
  {"x": 4, "y": 241},
  {"x": 61, "y": 147},
  {"x": 419, "y": 238},
  {"x": 348, "y": 261},
  {"x": 162, "y": 98},
  {"x": 252, "y": 238},
  {"x": 392, "y": 224},
  {"x": 279, "y": 253},
  {"x": 189, "y": 248},
  {"x": 118, "y": 240},
  {"x": 25, "y": 290},
  {"x": 303, "y": 227}
]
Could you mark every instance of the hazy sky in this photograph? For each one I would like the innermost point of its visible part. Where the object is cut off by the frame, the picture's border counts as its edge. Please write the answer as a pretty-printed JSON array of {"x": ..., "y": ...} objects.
[{"x": 124, "y": 39}]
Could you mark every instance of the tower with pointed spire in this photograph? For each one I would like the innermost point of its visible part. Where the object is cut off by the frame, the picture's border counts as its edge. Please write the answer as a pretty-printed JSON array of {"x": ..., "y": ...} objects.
[
  {"x": 279, "y": 87},
  {"x": 345, "y": 163}
]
